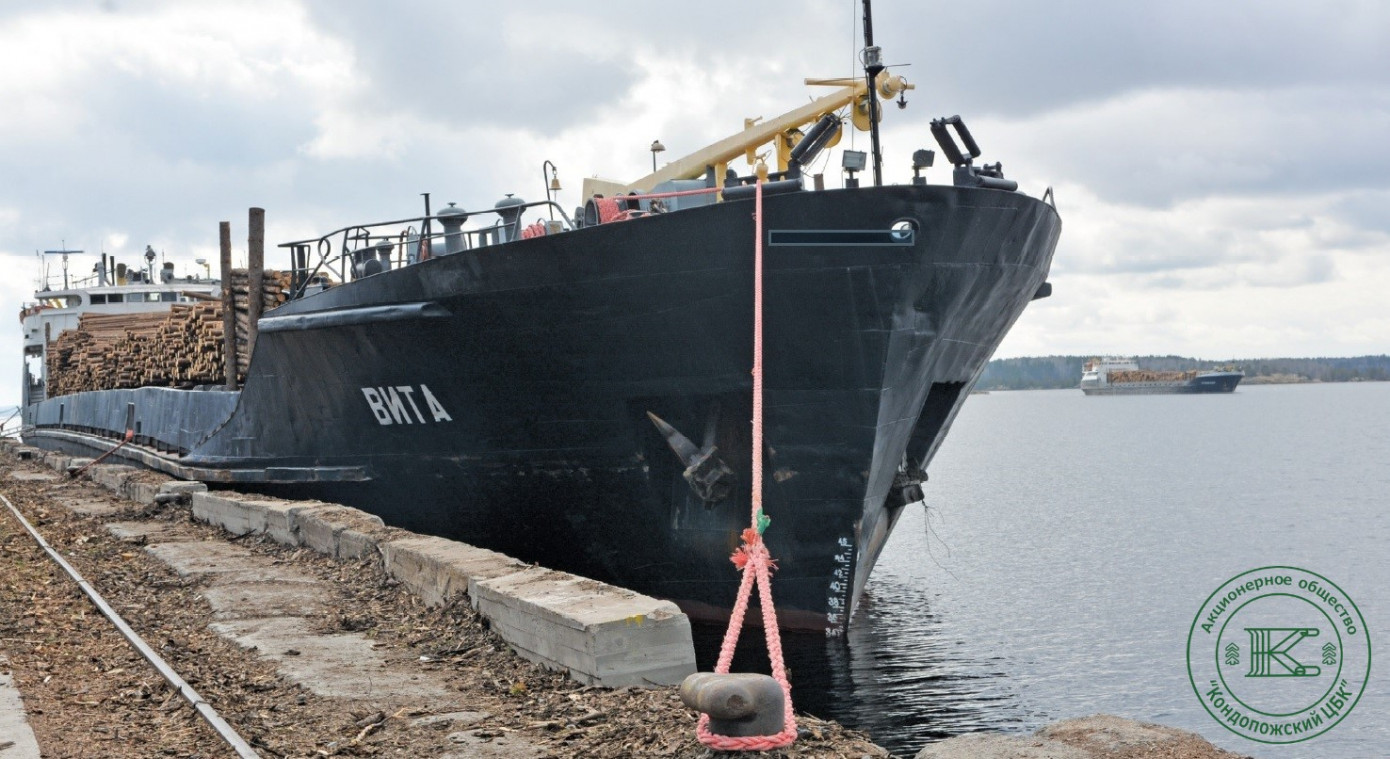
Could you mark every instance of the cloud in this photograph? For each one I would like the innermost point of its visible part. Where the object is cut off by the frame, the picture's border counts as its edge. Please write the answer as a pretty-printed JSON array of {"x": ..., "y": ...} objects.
[
  {"x": 1091, "y": 315},
  {"x": 145, "y": 118},
  {"x": 1218, "y": 278},
  {"x": 1240, "y": 238},
  {"x": 1365, "y": 212},
  {"x": 539, "y": 66},
  {"x": 1221, "y": 170},
  {"x": 1008, "y": 59},
  {"x": 1161, "y": 147}
]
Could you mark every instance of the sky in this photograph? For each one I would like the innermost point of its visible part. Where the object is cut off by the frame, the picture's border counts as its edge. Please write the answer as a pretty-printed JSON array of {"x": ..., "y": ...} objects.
[{"x": 1222, "y": 169}]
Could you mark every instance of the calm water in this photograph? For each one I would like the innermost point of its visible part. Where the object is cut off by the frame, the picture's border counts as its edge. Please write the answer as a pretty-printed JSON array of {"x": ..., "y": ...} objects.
[{"x": 1069, "y": 542}]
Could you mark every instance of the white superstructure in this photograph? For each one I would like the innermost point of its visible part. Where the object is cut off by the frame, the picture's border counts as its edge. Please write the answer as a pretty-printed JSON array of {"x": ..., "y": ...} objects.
[
  {"x": 132, "y": 292},
  {"x": 1096, "y": 372}
]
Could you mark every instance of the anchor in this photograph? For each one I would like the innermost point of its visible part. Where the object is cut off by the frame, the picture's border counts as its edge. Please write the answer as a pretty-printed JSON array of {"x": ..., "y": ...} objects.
[
  {"x": 708, "y": 475},
  {"x": 907, "y": 485}
]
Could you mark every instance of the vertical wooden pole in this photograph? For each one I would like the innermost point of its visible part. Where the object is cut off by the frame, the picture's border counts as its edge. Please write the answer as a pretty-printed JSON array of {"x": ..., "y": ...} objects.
[
  {"x": 229, "y": 355},
  {"x": 47, "y": 346},
  {"x": 255, "y": 263}
]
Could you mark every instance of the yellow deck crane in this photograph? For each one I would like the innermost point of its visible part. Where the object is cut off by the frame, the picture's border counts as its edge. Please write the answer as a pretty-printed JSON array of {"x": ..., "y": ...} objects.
[{"x": 784, "y": 132}]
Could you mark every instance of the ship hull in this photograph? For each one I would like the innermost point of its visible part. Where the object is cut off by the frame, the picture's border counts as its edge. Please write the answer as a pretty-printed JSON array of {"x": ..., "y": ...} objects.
[
  {"x": 1209, "y": 382},
  {"x": 501, "y": 396}
]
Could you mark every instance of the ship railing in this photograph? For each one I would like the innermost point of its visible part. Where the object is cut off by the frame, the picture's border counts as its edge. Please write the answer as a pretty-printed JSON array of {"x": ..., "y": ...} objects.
[{"x": 364, "y": 250}]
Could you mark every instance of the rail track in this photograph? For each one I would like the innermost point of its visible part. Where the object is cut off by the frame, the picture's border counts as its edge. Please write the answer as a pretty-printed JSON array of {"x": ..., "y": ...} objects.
[{"x": 186, "y": 691}]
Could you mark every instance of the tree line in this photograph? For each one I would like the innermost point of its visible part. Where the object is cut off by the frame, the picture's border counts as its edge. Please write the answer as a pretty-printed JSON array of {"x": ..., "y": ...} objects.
[{"x": 1043, "y": 372}]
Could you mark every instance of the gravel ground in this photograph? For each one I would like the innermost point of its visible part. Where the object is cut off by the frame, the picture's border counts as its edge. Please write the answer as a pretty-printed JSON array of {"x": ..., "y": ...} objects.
[{"x": 90, "y": 695}]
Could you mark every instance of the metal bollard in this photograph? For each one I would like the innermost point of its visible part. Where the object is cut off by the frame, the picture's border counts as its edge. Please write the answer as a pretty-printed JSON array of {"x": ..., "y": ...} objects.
[{"x": 738, "y": 705}]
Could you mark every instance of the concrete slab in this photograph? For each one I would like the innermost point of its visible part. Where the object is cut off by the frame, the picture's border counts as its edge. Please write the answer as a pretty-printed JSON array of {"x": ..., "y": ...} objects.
[
  {"x": 240, "y": 514},
  {"x": 457, "y": 719},
  {"x": 27, "y": 453},
  {"x": 88, "y": 507},
  {"x": 228, "y": 562},
  {"x": 279, "y": 519},
  {"x": 32, "y": 477},
  {"x": 181, "y": 486},
  {"x": 16, "y": 737},
  {"x": 489, "y": 744},
  {"x": 646, "y": 664},
  {"x": 345, "y": 665},
  {"x": 338, "y": 531},
  {"x": 229, "y": 512},
  {"x": 598, "y": 633},
  {"x": 141, "y": 492},
  {"x": 256, "y": 600},
  {"x": 111, "y": 476},
  {"x": 190, "y": 559},
  {"x": 356, "y": 544},
  {"x": 440, "y": 570},
  {"x": 147, "y": 532}
]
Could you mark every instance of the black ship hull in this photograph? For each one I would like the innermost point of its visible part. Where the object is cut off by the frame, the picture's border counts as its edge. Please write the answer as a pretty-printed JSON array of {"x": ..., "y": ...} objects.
[
  {"x": 1215, "y": 382},
  {"x": 501, "y": 395}
]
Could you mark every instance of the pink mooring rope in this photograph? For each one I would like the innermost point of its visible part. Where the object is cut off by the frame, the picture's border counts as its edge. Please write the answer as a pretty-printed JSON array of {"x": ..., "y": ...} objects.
[
  {"x": 129, "y": 436},
  {"x": 752, "y": 557}
]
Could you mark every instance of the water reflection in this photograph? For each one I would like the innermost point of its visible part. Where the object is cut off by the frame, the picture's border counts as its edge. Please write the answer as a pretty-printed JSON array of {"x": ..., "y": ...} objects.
[
  {"x": 897, "y": 675},
  {"x": 1070, "y": 542}
]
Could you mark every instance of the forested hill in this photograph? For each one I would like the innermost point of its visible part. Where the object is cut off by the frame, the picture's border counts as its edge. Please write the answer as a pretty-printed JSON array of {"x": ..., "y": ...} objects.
[{"x": 1065, "y": 371}]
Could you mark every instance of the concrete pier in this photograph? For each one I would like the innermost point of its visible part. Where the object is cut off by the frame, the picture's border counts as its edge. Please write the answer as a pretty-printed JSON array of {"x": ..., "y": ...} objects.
[
  {"x": 598, "y": 633},
  {"x": 16, "y": 737}
]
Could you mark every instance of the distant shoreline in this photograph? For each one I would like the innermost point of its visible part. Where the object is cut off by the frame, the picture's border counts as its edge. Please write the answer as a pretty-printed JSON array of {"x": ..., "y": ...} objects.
[
  {"x": 1247, "y": 381},
  {"x": 1062, "y": 372}
]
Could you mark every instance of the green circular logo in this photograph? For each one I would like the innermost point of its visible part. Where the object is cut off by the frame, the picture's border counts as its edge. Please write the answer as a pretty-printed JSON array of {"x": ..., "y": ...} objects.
[{"x": 1278, "y": 655}]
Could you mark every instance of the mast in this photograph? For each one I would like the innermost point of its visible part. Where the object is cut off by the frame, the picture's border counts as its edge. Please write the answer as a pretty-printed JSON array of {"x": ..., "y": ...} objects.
[
  {"x": 873, "y": 64},
  {"x": 64, "y": 253}
]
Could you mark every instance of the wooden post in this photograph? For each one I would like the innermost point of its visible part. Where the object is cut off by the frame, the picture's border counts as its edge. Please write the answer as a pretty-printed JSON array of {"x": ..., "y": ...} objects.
[
  {"x": 229, "y": 356},
  {"x": 255, "y": 263},
  {"x": 47, "y": 346}
]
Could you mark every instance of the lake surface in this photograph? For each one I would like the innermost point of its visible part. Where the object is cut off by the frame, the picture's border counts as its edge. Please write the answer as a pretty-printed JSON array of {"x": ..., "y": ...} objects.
[{"x": 1068, "y": 543}]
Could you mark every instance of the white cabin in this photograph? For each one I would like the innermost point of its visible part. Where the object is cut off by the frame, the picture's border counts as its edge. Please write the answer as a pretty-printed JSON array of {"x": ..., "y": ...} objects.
[{"x": 56, "y": 310}]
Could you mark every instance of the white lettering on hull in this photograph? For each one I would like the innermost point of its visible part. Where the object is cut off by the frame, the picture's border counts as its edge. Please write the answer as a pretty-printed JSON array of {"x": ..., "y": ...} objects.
[{"x": 396, "y": 405}]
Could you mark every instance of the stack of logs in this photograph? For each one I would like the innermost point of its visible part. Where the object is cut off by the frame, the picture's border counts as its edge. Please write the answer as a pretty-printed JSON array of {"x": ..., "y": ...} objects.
[
  {"x": 182, "y": 347},
  {"x": 1147, "y": 375}
]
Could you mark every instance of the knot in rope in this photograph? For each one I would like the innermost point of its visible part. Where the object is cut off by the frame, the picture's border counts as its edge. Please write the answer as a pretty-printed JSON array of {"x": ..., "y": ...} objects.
[{"x": 753, "y": 551}]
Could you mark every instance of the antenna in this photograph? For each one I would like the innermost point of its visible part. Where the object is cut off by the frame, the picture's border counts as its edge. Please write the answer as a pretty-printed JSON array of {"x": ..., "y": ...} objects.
[
  {"x": 64, "y": 252},
  {"x": 873, "y": 64}
]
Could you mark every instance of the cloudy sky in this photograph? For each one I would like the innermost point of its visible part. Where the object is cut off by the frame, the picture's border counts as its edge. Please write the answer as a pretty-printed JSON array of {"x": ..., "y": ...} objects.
[{"x": 1223, "y": 169}]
